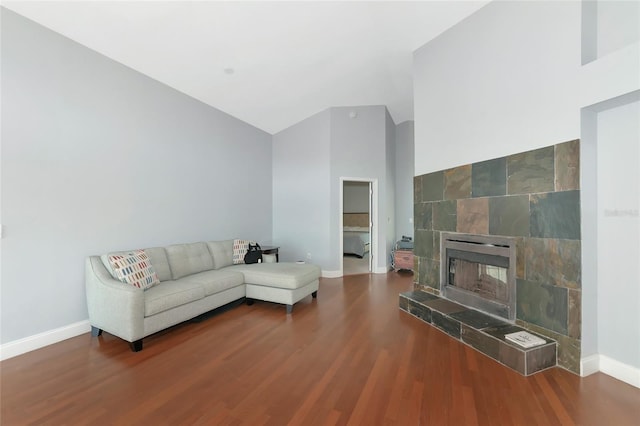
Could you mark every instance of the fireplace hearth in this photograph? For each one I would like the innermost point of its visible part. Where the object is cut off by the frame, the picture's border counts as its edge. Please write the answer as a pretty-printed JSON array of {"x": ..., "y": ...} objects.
[{"x": 478, "y": 271}]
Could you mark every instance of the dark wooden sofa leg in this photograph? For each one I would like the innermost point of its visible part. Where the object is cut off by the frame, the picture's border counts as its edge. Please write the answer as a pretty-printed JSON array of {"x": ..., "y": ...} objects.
[
  {"x": 289, "y": 309},
  {"x": 95, "y": 331},
  {"x": 136, "y": 346},
  {"x": 315, "y": 294}
]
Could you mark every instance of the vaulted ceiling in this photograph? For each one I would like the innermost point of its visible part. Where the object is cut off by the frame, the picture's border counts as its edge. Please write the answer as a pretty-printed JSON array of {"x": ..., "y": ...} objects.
[{"x": 271, "y": 64}]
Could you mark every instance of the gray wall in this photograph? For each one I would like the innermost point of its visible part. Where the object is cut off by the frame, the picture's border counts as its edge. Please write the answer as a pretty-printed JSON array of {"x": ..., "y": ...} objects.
[
  {"x": 390, "y": 179},
  {"x": 498, "y": 83},
  {"x": 404, "y": 179},
  {"x": 97, "y": 157},
  {"x": 309, "y": 159},
  {"x": 301, "y": 190},
  {"x": 359, "y": 150}
]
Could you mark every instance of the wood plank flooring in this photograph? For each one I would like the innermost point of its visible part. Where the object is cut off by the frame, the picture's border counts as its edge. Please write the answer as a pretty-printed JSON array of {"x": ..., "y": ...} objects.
[{"x": 349, "y": 357}]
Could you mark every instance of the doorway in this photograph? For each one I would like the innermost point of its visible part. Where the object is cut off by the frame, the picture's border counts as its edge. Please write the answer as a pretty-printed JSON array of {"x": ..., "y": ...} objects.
[{"x": 357, "y": 225}]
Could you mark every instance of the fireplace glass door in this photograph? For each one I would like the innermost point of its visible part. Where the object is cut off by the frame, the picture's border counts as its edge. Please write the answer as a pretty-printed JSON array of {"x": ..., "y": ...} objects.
[
  {"x": 485, "y": 280},
  {"x": 479, "y": 271}
]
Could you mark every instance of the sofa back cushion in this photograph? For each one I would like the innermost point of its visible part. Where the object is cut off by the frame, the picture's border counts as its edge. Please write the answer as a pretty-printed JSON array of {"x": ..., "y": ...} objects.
[
  {"x": 188, "y": 259},
  {"x": 221, "y": 252},
  {"x": 159, "y": 260}
]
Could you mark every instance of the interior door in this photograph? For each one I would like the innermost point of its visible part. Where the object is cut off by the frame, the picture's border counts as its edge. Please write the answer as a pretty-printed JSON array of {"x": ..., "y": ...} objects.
[{"x": 370, "y": 226}]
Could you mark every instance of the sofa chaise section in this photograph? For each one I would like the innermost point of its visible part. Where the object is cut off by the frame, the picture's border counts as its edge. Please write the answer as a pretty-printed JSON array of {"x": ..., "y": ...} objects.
[{"x": 285, "y": 283}]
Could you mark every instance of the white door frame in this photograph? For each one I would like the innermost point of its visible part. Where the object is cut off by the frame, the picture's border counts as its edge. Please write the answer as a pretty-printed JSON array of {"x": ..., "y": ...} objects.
[{"x": 373, "y": 221}]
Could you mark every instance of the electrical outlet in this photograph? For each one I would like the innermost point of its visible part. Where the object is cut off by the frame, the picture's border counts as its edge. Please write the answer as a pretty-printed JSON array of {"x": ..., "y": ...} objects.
[{"x": 308, "y": 256}]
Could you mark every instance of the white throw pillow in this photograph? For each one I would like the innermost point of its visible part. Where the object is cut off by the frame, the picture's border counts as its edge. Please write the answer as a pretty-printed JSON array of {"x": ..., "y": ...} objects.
[
  {"x": 240, "y": 248},
  {"x": 134, "y": 268}
]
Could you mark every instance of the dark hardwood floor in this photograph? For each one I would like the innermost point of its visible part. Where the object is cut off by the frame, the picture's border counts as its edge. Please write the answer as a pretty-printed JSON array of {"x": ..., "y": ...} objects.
[{"x": 349, "y": 357}]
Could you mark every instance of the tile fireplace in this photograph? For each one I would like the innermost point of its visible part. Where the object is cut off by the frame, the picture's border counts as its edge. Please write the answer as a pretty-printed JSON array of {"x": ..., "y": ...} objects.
[{"x": 503, "y": 236}]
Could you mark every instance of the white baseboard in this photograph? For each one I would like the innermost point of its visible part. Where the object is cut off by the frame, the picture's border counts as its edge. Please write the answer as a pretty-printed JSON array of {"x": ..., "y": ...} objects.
[
  {"x": 331, "y": 274},
  {"x": 381, "y": 270},
  {"x": 610, "y": 367},
  {"x": 338, "y": 274},
  {"x": 589, "y": 365},
  {"x": 620, "y": 371},
  {"x": 40, "y": 340}
]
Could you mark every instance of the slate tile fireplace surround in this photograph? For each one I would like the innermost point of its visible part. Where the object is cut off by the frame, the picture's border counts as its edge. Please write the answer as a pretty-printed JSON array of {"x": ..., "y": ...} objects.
[{"x": 533, "y": 198}]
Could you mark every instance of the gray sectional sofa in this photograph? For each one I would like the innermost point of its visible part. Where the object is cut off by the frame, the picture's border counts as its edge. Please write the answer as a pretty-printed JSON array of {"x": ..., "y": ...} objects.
[{"x": 194, "y": 278}]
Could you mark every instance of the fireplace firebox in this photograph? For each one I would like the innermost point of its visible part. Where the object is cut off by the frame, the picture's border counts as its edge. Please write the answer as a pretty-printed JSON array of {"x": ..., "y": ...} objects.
[{"x": 479, "y": 271}]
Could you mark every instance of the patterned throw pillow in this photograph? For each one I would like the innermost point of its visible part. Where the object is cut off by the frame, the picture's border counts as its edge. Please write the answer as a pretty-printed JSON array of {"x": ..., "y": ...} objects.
[
  {"x": 134, "y": 268},
  {"x": 240, "y": 248}
]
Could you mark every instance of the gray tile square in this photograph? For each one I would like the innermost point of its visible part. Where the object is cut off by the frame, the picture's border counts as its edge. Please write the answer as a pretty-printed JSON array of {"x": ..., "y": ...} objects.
[
  {"x": 457, "y": 183},
  {"x": 418, "y": 310},
  {"x": 567, "y": 165},
  {"x": 433, "y": 186},
  {"x": 445, "y": 306},
  {"x": 555, "y": 215},
  {"x": 444, "y": 215},
  {"x": 480, "y": 341},
  {"x": 509, "y": 215},
  {"x": 542, "y": 305},
  {"x": 531, "y": 171},
  {"x": 489, "y": 178},
  {"x": 554, "y": 261},
  {"x": 446, "y": 324},
  {"x": 540, "y": 358},
  {"x": 476, "y": 319},
  {"x": 422, "y": 216}
]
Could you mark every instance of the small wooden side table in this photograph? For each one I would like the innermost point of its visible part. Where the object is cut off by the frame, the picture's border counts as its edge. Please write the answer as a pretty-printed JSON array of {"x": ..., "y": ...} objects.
[
  {"x": 271, "y": 250},
  {"x": 403, "y": 259}
]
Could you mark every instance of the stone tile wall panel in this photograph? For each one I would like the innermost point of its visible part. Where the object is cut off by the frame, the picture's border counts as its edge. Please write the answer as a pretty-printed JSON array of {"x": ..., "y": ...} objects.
[
  {"x": 567, "y": 166},
  {"x": 531, "y": 171},
  {"x": 489, "y": 178},
  {"x": 433, "y": 186},
  {"x": 556, "y": 215},
  {"x": 543, "y": 305},
  {"x": 509, "y": 215},
  {"x": 473, "y": 216},
  {"x": 533, "y": 196},
  {"x": 445, "y": 215},
  {"x": 457, "y": 183}
]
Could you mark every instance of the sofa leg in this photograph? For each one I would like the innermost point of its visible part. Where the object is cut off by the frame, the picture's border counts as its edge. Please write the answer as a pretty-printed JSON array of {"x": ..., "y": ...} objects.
[
  {"x": 136, "y": 346},
  {"x": 315, "y": 294},
  {"x": 95, "y": 331},
  {"x": 289, "y": 309},
  {"x": 250, "y": 301}
]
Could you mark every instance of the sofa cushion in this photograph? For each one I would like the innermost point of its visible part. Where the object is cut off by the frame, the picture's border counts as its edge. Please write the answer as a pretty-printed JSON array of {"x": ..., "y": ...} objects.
[
  {"x": 134, "y": 268},
  {"x": 240, "y": 248},
  {"x": 280, "y": 275},
  {"x": 221, "y": 252},
  {"x": 160, "y": 262},
  {"x": 216, "y": 281},
  {"x": 169, "y": 294},
  {"x": 187, "y": 259}
]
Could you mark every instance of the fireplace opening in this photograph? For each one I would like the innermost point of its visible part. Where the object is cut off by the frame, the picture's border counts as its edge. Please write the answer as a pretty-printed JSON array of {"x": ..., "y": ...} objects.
[{"x": 479, "y": 271}]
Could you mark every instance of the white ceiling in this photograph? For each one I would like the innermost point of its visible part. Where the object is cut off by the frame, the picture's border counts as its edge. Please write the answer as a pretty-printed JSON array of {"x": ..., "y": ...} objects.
[{"x": 290, "y": 59}]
